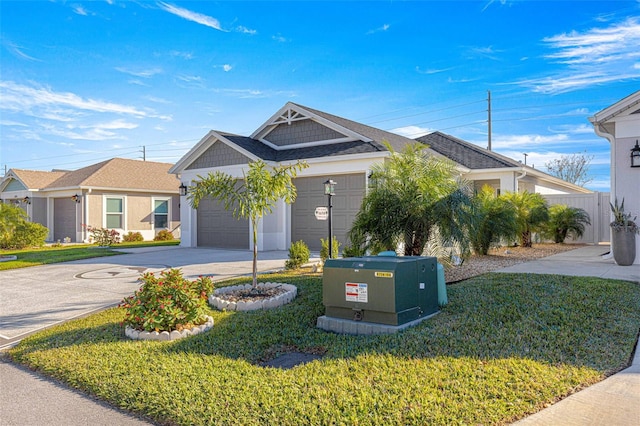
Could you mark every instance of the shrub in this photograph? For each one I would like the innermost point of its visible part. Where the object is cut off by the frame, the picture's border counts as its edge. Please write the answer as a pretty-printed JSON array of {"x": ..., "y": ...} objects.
[
  {"x": 104, "y": 237},
  {"x": 168, "y": 302},
  {"x": 324, "y": 250},
  {"x": 298, "y": 255},
  {"x": 132, "y": 237},
  {"x": 565, "y": 221},
  {"x": 163, "y": 235},
  {"x": 26, "y": 234}
]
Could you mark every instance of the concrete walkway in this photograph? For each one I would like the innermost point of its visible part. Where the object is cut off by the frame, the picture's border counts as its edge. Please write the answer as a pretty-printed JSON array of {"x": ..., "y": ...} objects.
[{"x": 616, "y": 400}]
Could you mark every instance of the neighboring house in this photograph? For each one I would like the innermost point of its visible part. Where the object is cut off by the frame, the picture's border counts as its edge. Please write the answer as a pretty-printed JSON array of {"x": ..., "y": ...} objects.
[
  {"x": 620, "y": 125},
  {"x": 120, "y": 194},
  {"x": 335, "y": 148}
]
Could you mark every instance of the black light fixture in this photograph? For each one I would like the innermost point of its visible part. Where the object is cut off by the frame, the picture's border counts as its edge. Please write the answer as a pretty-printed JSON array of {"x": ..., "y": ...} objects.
[
  {"x": 183, "y": 189},
  {"x": 329, "y": 187},
  {"x": 26, "y": 200},
  {"x": 76, "y": 198},
  {"x": 635, "y": 155}
]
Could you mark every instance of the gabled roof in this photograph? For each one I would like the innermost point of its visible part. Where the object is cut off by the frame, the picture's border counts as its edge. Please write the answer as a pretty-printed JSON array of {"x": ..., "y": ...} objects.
[
  {"x": 629, "y": 105},
  {"x": 33, "y": 179},
  {"x": 120, "y": 173},
  {"x": 117, "y": 173},
  {"x": 358, "y": 139},
  {"x": 465, "y": 153}
]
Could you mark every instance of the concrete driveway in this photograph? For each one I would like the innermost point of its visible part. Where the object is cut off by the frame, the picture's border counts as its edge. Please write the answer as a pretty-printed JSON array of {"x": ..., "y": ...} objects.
[{"x": 38, "y": 297}]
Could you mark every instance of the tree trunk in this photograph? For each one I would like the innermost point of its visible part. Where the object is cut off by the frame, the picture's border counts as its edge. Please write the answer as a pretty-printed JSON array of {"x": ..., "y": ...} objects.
[{"x": 254, "y": 224}]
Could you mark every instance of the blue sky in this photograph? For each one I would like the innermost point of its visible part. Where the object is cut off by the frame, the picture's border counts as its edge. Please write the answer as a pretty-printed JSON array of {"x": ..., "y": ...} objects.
[{"x": 82, "y": 82}]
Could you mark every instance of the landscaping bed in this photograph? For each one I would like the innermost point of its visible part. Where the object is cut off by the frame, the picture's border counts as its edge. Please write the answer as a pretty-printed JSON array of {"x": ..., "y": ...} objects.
[{"x": 505, "y": 346}]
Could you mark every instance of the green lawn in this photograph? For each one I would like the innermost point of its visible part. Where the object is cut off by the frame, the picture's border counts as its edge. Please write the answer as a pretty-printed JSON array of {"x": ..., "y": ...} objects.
[
  {"x": 505, "y": 346},
  {"x": 65, "y": 253}
]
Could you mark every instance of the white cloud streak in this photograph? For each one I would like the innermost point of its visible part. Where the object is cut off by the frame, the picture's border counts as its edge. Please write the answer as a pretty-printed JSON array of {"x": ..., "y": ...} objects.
[
  {"x": 412, "y": 131},
  {"x": 142, "y": 73},
  {"x": 595, "y": 56},
  {"x": 189, "y": 15}
]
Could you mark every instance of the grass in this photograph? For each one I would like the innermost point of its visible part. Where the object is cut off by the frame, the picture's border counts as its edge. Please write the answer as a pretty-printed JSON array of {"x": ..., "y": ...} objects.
[
  {"x": 504, "y": 347},
  {"x": 65, "y": 253}
]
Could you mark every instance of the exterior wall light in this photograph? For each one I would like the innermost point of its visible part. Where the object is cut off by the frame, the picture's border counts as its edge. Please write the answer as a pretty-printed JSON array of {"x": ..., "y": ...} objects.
[
  {"x": 76, "y": 198},
  {"x": 329, "y": 187},
  {"x": 635, "y": 155},
  {"x": 183, "y": 189},
  {"x": 26, "y": 200}
]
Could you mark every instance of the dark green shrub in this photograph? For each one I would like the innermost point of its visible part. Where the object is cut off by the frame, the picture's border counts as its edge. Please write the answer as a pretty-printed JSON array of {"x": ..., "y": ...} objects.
[
  {"x": 298, "y": 255},
  {"x": 163, "y": 235},
  {"x": 132, "y": 237},
  {"x": 168, "y": 302},
  {"x": 565, "y": 221},
  {"x": 494, "y": 221},
  {"x": 324, "y": 250},
  {"x": 26, "y": 234}
]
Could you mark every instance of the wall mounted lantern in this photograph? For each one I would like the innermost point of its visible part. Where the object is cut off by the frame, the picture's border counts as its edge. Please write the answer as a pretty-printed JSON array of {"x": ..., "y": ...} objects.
[
  {"x": 183, "y": 189},
  {"x": 76, "y": 198},
  {"x": 26, "y": 200},
  {"x": 635, "y": 155}
]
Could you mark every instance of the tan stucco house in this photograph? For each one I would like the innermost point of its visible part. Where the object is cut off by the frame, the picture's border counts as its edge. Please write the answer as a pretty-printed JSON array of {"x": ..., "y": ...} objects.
[
  {"x": 620, "y": 125},
  {"x": 121, "y": 194},
  {"x": 335, "y": 148}
]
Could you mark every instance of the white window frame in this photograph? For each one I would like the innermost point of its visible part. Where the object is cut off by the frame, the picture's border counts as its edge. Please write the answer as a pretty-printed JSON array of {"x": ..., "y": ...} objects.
[
  {"x": 153, "y": 211},
  {"x": 105, "y": 197}
]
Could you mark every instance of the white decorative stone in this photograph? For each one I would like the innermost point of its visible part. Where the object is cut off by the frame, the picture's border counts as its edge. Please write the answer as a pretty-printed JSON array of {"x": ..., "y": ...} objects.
[
  {"x": 231, "y": 306},
  {"x": 175, "y": 334}
]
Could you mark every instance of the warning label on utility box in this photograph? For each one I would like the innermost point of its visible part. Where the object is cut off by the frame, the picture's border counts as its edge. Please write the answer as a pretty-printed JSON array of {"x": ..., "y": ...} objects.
[
  {"x": 383, "y": 274},
  {"x": 356, "y": 292}
]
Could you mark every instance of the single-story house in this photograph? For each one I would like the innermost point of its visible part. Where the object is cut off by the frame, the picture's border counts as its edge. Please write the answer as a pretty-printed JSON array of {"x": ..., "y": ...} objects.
[
  {"x": 121, "y": 194},
  {"x": 335, "y": 148},
  {"x": 620, "y": 125}
]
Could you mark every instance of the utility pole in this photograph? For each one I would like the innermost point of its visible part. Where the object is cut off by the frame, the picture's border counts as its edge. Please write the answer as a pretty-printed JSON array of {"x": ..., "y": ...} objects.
[
  {"x": 489, "y": 119},
  {"x": 144, "y": 153}
]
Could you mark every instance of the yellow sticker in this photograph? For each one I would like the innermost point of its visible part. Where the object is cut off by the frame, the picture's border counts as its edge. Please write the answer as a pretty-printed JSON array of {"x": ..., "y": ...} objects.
[{"x": 384, "y": 274}]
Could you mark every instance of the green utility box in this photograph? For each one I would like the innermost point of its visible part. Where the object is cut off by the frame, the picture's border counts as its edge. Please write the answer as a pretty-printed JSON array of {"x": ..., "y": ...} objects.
[{"x": 380, "y": 289}]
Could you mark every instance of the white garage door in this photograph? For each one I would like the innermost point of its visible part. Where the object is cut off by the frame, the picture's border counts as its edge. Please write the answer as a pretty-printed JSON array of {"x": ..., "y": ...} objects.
[
  {"x": 218, "y": 228},
  {"x": 349, "y": 192}
]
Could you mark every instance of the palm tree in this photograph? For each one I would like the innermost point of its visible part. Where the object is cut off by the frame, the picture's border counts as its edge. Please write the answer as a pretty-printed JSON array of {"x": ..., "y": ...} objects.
[
  {"x": 531, "y": 211},
  {"x": 413, "y": 196},
  {"x": 565, "y": 221},
  {"x": 495, "y": 220},
  {"x": 252, "y": 199}
]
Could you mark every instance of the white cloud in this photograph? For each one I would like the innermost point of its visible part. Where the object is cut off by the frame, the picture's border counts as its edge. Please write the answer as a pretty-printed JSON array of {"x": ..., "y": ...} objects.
[
  {"x": 78, "y": 9},
  {"x": 184, "y": 55},
  {"x": 143, "y": 73},
  {"x": 526, "y": 141},
  {"x": 17, "y": 97},
  {"x": 246, "y": 30},
  {"x": 595, "y": 56},
  {"x": 189, "y": 15},
  {"x": 17, "y": 51},
  {"x": 411, "y": 131},
  {"x": 279, "y": 38},
  {"x": 430, "y": 71},
  {"x": 189, "y": 78},
  {"x": 227, "y": 67},
  {"x": 383, "y": 28},
  {"x": 580, "y": 129}
]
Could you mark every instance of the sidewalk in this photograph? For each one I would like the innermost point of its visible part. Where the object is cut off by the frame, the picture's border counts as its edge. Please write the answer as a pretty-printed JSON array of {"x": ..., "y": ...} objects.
[{"x": 614, "y": 401}]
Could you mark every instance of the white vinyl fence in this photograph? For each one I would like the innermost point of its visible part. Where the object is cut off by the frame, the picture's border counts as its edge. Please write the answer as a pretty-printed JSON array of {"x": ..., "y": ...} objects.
[{"x": 597, "y": 206}]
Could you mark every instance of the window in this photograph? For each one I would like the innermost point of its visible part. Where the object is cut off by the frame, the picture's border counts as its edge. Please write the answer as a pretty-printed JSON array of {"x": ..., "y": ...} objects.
[
  {"x": 161, "y": 213},
  {"x": 115, "y": 213}
]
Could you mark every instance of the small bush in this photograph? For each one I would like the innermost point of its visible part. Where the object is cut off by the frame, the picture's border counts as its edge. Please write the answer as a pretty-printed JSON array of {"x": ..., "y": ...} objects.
[
  {"x": 324, "y": 250},
  {"x": 298, "y": 255},
  {"x": 104, "y": 237},
  {"x": 132, "y": 237},
  {"x": 163, "y": 235},
  {"x": 26, "y": 234},
  {"x": 168, "y": 302}
]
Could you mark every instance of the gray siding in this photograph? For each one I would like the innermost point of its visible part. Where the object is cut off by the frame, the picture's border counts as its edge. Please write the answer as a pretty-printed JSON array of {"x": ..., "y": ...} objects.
[
  {"x": 14, "y": 185},
  {"x": 218, "y": 228},
  {"x": 350, "y": 190},
  {"x": 218, "y": 154},
  {"x": 301, "y": 132}
]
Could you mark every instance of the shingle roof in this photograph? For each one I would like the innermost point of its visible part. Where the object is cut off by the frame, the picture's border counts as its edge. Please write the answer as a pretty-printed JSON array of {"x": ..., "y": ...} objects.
[
  {"x": 120, "y": 173},
  {"x": 36, "y": 179},
  {"x": 465, "y": 153}
]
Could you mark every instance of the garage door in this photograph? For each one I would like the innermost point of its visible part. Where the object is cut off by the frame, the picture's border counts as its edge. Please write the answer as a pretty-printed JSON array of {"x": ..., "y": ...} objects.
[
  {"x": 218, "y": 228},
  {"x": 349, "y": 191},
  {"x": 64, "y": 219}
]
